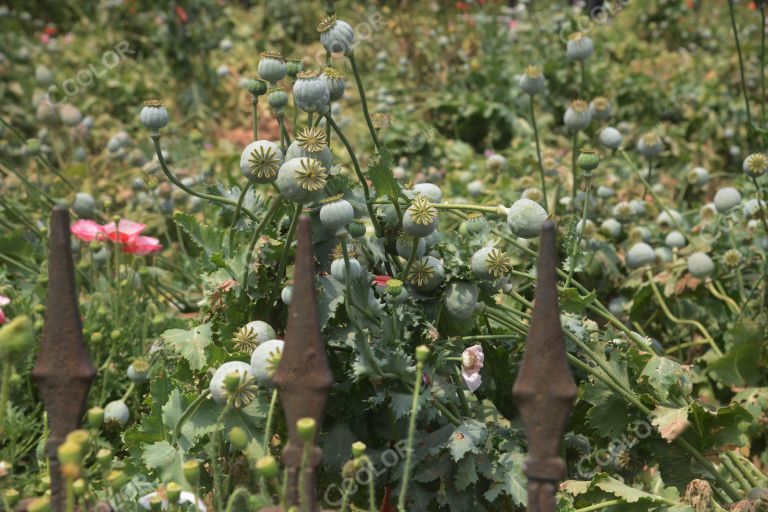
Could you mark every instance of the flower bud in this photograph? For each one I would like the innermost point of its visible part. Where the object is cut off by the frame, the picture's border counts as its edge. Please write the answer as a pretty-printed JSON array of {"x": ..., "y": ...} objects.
[
  {"x": 173, "y": 492},
  {"x": 394, "y": 287},
  {"x": 156, "y": 503},
  {"x": 422, "y": 353},
  {"x": 267, "y": 467},
  {"x": 117, "y": 479},
  {"x": 306, "y": 428},
  {"x": 79, "y": 487},
  {"x": 257, "y": 87},
  {"x": 358, "y": 448},
  {"x": 16, "y": 338},
  {"x": 191, "y": 470},
  {"x": 238, "y": 437},
  {"x": 68, "y": 452},
  {"x": 588, "y": 159},
  {"x": 79, "y": 437},
  {"x": 104, "y": 457}
]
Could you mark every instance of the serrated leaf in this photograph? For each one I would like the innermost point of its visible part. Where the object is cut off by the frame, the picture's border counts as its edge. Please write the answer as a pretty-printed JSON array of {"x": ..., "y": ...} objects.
[
  {"x": 466, "y": 473},
  {"x": 208, "y": 238},
  {"x": 670, "y": 422},
  {"x": 380, "y": 174},
  {"x": 572, "y": 302},
  {"x": 173, "y": 409},
  {"x": 468, "y": 437},
  {"x": 190, "y": 344},
  {"x": 665, "y": 375},
  {"x": 723, "y": 428},
  {"x": 165, "y": 459},
  {"x": 329, "y": 297}
]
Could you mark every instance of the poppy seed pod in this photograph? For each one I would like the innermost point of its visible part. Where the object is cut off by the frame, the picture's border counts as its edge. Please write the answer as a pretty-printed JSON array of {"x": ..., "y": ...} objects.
[
  {"x": 532, "y": 81},
  {"x": 460, "y": 299},
  {"x": 336, "y": 213},
  {"x": 298, "y": 177},
  {"x": 640, "y": 254},
  {"x": 257, "y": 87},
  {"x": 490, "y": 263},
  {"x": 700, "y": 265},
  {"x": 577, "y": 116},
  {"x": 310, "y": 92},
  {"x": 271, "y": 67},
  {"x": 579, "y": 47},
  {"x": 420, "y": 219},
  {"x": 588, "y": 159},
  {"x": 116, "y": 413},
  {"x": 217, "y": 386},
  {"x": 600, "y": 108},
  {"x": 84, "y": 205},
  {"x": 755, "y": 165},
  {"x": 266, "y": 359},
  {"x": 698, "y": 176},
  {"x": 293, "y": 67},
  {"x": 337, "y": 36},
  {"x": 727, "y": 198},
  {"x": 650, "y": 145},
  {"x": 310, "y": 143},
  {"x": 260, "y": 161},
  {"x": 430, "y": 191},
  {"x": 153, "y": 115},
  {"x": 675, "y": 240},
  {"x": 277, "y": 99},
  {"x": 334, "y": 80},
  {"x": 526, "y": 217},
  {"x": 610, "y": 137}
]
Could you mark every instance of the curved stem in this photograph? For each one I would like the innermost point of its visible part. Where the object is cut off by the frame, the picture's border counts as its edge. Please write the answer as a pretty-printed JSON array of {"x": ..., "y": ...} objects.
[
  {"x": 175, "y": 181},
  {"x": 239, "y": 492},
  {"x": 411, "y": 258},
  {"x": 270, "y": 417},
  {"x": 720, "y": 296},
  {"x": 538, "y": 151},
  {"x": 188, "y": 412},
  {"x": 360, "y": 177},
  {"x": 750, "y": 131},
  {"x": 577, "y": 240},
  {"x": 469, "y": 207},
  {"x": 255, "y": 111},
  {"x": 685, "y": 321},
  {"x": 288, "y": 242},
  {"x": 363, "y": 101},
  {"x": 256, "y": 234},
  {"x": 236, "y": 216},
  {"x": 411, "y": 431}
]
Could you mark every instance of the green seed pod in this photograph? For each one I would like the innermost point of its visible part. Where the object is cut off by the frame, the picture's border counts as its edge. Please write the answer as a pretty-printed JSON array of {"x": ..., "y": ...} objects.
[
  {"x": 277, "y": 99},
  {"x": 16, "y": 338},
  {"x": 526, "y": 217},
  {"x": 153, "y": 115},
  {"x": 336, "y": 36},
  {"x": 173, "y": 493},
  {"x": 306, "y": 428},
  {"x": 532, "y": 81},
  {"x": 156, "y": 503},
  {"x": 755, "y": 165},
  {"x": 191, "y": 470},
  {"x": 422, "y": 353},
  {"x": 42, "y": 504},
  {"x": 267, "y": 467},
  {"x": 271, "y": 66},
  {"x": 69, "y": 452},
  {"x": 588, "y": 159},
  {"x": 238, "y": 438},
  {"x": 293, "y": 67},
  {"x": 79, "y": 487},
  {"x": 358, "y": 449},
  {"x": 461, "y": 299},
  {"x": 94, "y": 417},
  {"x": 356, "y": 229},
  {"x": 12, "y": 497},
  {"x": 117, "y": 479},
  {"x": 257, "y": 87},
  {"x": 104, "y": 457},
  {"x": 260, "y": 161}
]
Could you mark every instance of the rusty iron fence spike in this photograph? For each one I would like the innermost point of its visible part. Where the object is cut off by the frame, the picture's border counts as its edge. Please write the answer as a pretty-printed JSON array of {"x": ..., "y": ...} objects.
[
  {"x": 544, "y": 389},
  {"x": 63, "y": 370},
  {"x": 304, "y": 375}
]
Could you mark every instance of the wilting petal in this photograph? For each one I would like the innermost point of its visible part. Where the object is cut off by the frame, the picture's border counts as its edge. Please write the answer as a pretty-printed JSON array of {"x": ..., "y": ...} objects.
[
  {"x": 125, "y": 231},
  {"x": 87, "y": 230},
  {"x": 381, "y": 280},
  {"x": 472, "y": 381},
  {"x": 4, "y": 301},
  {"x": 142, "y": 245}
]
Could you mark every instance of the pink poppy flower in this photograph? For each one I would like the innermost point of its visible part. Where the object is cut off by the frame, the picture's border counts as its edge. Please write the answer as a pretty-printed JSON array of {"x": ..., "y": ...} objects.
[
  {"x": 142, "y": 245},
  {"x": 87, "y": 230},
  {"x": 381, "y": 280},
  {"x": 124, "y": 232},
  {"x": 471, "y": 364},
  {"x": 4, "y": 301}
]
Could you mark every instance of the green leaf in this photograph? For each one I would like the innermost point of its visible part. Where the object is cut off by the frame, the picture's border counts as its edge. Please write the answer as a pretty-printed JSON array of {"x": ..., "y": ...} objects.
[
  {"x": 209, "y": 239},
  {"x": 623, "y": 491},
  {"x": 508, "y": 478},
  {"x": 165, "y": 459},
  {"x": 724, "y": 428},
  {"x": 380, "y": 174},
  {"x": 466, "y": 473},
  {"x": 572, "y": 302},
  {"x": 173, "y": 409},
  {"x": 609, "y": 415},
  {"x": 190, "y": 344},
  {"x": 670, "y": 422},
  {"x": 468, "y": 437},
  {"x": 330, "y": 295},
  {"x": 665, "y": 375}
]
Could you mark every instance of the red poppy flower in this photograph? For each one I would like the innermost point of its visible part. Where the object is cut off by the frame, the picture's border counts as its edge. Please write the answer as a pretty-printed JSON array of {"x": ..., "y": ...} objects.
[
  {"x": 381, "y": 280},
  {"x": 142, "y": 245}
]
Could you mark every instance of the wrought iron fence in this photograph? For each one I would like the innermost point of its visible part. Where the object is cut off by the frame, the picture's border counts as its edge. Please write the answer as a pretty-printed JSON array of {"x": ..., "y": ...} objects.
[{"x": 544, "y": 389}]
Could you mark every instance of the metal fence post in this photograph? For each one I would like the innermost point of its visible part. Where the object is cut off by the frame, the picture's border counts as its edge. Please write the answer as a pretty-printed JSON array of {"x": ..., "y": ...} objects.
[
  {"x": 544, "y": 389},
  {"x": 63, "y": 370},
  {"x": 304, "y": 375}
]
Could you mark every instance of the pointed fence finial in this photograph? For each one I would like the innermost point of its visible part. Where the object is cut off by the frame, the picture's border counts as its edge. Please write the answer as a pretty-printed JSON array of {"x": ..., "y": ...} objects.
[
  {"x": 63, "y": 370},
  {"x": 544, "y": 389},
  {"x": 304, "y": 375}
]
